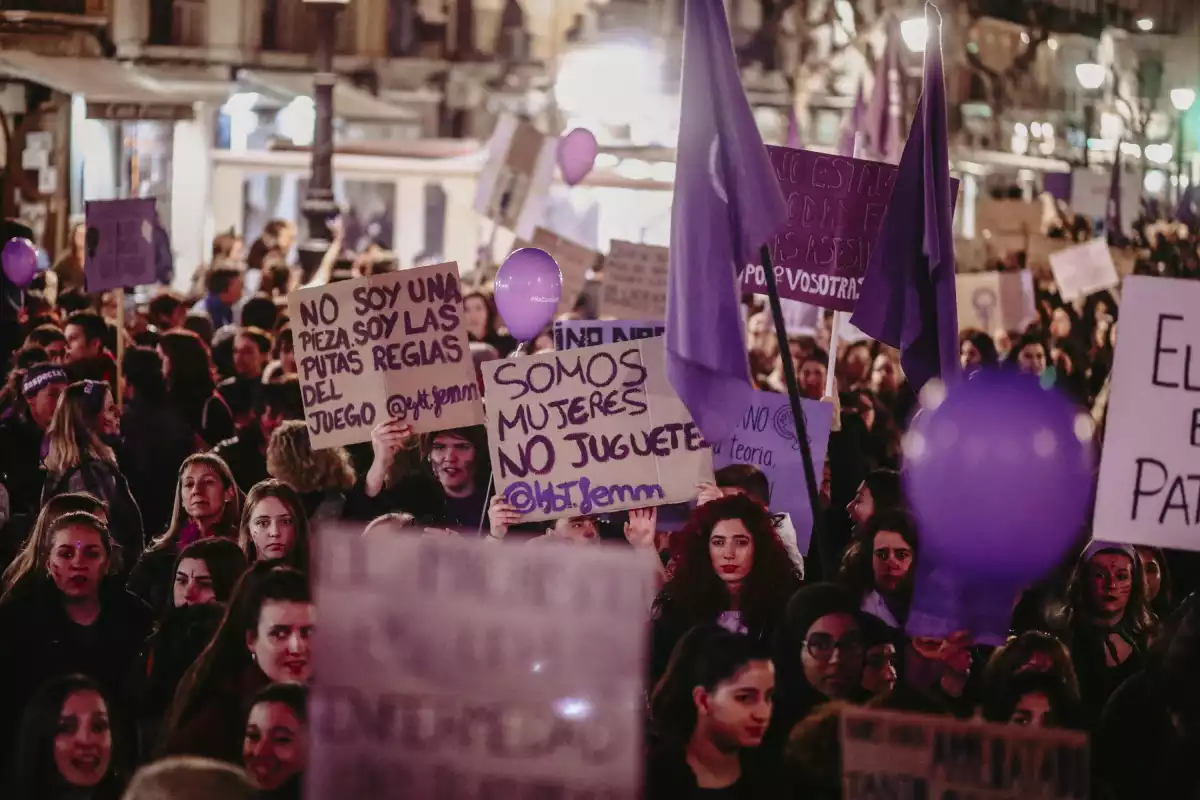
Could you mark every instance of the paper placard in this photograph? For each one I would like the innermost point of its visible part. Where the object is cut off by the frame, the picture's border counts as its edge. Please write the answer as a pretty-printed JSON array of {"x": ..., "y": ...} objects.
[
  {"x": 570, "y": 334},
  {"x": 447, "y": 667},
  {"x": 1084, "y": 269},
  {"x": 574, "y": 262},
  {"x": 764, "y": 436},
  {"x": 991, "y": 300},
  {"x": 514, "y": 183},
  {"x": 1148, "y": 487},
  {"x": 1090, "y": 190},
  {"x": 893, "y": 754},
  {"x": 835, "y": 207},
  {"x": 635, "y": 281},
  {"x": 591, "y": 430},
  {"x": 384, "y": 346},
  {"x": 119, "y": 248},
  {"x": 800, "y": 319}
]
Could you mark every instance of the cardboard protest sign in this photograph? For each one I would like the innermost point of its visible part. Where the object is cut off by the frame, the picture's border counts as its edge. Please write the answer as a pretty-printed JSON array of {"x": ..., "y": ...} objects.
[
  {"x": 894, "y": 754},
  {"x": 1148, "y": 483},
  {"x": 764, "y": 436},
  {"x": 1089, "y": 195},
  {"x": 570, "y": 334},
  {"x": 514, "y": 182},
  {"x": 635, "y": 281},
  {"x": 800, "y": 319},
  {"x": 574, "y": 262},
  {"x": 384, "y": 346},
  {"x": 1084, "y": 269},
  {"x": 991, "y": 300},
  {"x": 591, "y": 430},
  {"x": 445, "y": 667},
  {"x": 835, "y": 207},
  {"x": 119, "y": 248}
]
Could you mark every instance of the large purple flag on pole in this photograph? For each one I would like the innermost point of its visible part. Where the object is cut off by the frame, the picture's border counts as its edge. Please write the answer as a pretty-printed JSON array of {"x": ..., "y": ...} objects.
[
  {"x": 907, "y": 296},
  {"x": 727, "y": 204},
  {"x": 883, "y": 113}
]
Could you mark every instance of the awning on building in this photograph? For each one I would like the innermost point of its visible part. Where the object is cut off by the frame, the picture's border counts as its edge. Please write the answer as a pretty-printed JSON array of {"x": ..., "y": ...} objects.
[
  {"x": 349, "y": 102},
  {"x": 111, "y": 89}
]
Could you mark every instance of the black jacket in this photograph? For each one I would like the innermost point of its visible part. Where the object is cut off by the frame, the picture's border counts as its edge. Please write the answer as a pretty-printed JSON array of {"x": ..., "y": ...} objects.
[
  {"x": 105, "y": 481},
  {"x": 156, "y": 442},
  {"x": 245, "y": 458}
]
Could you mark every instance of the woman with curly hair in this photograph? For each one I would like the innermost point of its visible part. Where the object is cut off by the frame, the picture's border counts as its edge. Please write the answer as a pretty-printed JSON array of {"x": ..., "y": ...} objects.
[
  {"x": 322, "y": 477},
  {"x": 728, "y": 567},
  {"x": 879, "y": 566},
  {"x": 191, "y": 388}
]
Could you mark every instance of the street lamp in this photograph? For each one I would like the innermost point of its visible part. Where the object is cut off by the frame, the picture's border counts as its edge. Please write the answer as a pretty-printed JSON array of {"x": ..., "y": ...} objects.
[
  {"x": 1091, "y": 77},
  {"x": 915, "y": 33},
  {"x": 318, "y": 206},
  {"x": 1182, "y": 99}
]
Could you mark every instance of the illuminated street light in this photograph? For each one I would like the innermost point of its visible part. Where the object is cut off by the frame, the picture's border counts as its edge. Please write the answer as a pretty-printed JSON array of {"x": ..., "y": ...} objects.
[
  {"x": 1091, "y": 76},
  {"x": 915, "y": 33},
  {"x": 1183, "y": 99},
  {"x": 1145, "y": 24}
]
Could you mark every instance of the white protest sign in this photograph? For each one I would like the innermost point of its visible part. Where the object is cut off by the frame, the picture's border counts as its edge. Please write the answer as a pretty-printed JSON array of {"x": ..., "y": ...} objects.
[
  {"x": 451, "y": 668},
  {"x": 800, "y": 318},
  {"x": 119, "y": 243},
  {"x": 1090, "y": 190},
  {"x": 635, "y": 281},
  {"x": 1084, "y": 269},
  {"x": 899, "y": 755},
  {"x": 384, "y": 346},
  {"x": 991, "y": 300},
  {"x": 591, "y": 430},
  {"x": 516, "y": 178},
  {"x": 1149, "y": 491}
]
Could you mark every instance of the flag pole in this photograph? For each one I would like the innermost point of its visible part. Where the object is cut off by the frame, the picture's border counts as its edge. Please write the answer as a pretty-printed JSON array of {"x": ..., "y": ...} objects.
[{"x": 793, "y": 390}]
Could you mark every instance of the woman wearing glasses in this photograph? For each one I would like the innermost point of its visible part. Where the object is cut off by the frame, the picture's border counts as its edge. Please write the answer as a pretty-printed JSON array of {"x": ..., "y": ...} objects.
[{"x": 728, "y": 567}]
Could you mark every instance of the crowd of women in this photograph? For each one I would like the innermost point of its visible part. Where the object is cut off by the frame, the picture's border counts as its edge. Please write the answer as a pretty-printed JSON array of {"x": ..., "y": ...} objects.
[{"x": 157, "y": 531}]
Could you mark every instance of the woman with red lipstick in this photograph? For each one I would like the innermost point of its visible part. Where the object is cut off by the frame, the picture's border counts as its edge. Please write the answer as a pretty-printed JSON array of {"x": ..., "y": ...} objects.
[
  {"x": 274, "y": 525},
  {"x": 1109, "y": 624},
  {"x": 207, "y": 505},
  {"x": 275, "y": 748},
  {"x": 879, "y": 566},
  {"x": 264, "y": 637},
  {"x": 69, "y": 748},
  {"x": 728, "y": 567},
  {"x": 710, "y": 709}
]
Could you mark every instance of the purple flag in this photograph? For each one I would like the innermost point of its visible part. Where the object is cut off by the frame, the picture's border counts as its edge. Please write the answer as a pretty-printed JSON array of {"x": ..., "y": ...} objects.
[
  {"x": 727, "y": 204},
  {"x": 852, "y": 126},
  {"x": 907, "y": 296},
  {"x": 1112, "y": 219},
  {"x": 883, "y": 113}
]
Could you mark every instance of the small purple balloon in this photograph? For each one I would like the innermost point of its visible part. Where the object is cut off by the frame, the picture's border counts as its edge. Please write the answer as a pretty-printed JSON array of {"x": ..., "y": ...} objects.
[
  {"x": 577, "y": 153},
  {"x": 528, "y": 288},
  {"x": 999, "y": 475},
  {"x": 19, "y": 258}
]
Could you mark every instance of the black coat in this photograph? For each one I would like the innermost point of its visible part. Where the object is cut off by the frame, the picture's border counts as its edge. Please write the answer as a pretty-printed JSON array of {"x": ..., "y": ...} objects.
[
  {"x": 156, "y": 442},
  {"x": 245, "y": 458},
  {"x": 104, "y": 480}
]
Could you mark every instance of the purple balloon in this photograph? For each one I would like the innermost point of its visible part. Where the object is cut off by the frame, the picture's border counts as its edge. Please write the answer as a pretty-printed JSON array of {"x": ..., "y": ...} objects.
[
  {"x": 577, "y": 153},
  {"x": 19, "y": 258},
  {"x": 999, "y": 478},
  {"x": 528, "y": 288}
]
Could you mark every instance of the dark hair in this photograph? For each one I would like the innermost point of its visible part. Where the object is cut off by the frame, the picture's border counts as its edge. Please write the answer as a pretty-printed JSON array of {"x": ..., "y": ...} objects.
[
  {"x": 221, "y": 277},
  {"x": 281, "y": 396},
  {"x": 981, "y": 342},
  {"x": 88, "y": 520},
  {"x": 261, "y": 339},
  {"x": 163, "y": 305},
  {"x": 260, "y": 312},
  {"x": 201, "y": 325},
  {"x": 225, "y": 561},
  {"x": 92, "y": 324},
  {"x": 818, "y": 355},
  {"x": 747, "y": 477},
  {"x": 290, "y": 694},
  {"x": 884, "y": 485},
  {"x": 1000, "y": 701},
  {"x": 1162, "y": 604},
  {"x": 489, "y": 303},
  {"x": 35, "y": 774},
  {"x": 190, "y": 383},
  {"x": 142, "y": 367},
  {"x": 1011, "y": 658},
  {"x": 695, "y": 591},
  {"x": 477, "y": 436},
  {"x": 707, "y": 656},
  {"x": 226, "y": 656},
  {"x": 283, "y": 341},
  {"x": 44, "y": 335},
  {"x": 1032, "y": 336},
  {"x": 271, "y": 487},
  {"x": 856, "y": 570}
]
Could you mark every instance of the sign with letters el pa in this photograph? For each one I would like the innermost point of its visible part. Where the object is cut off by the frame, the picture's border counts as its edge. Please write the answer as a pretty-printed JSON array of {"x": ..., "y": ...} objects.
[
  {"x": 119, "y": 243},
  {"x": 448, "y": 668},
  {"x": 1149, "y": 491},
  {"x": 388, "y": 346},
  {"x": 591, "y": 430},
  {"x": 900, "y": 755}
]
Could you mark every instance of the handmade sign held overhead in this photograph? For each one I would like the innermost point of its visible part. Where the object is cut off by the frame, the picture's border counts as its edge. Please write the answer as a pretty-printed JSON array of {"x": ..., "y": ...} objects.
[
  {"x": 384, "y": 346},
  {"x": 991, "y": 300},
  {"x": 574, "y": 262},
  {"x": 635, "y": 281},
  {"x": 893, "y": 754},
  {"x": 447, "y": 668},
  {"x": 591, "y": 430},
  {"x": 1148, "y": 491},
  {"x": 119, "y": 244},
  {"x": 570, "y": 334},
  {"x": 514, "y": 182},
  {"x": 1085, "y": 269},
  {"x": 1089, "y": 196}
]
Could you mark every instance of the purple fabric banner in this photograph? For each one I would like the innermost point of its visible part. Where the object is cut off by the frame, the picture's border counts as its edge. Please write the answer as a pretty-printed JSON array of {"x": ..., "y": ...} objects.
[{"x": 1058, "y": 184}]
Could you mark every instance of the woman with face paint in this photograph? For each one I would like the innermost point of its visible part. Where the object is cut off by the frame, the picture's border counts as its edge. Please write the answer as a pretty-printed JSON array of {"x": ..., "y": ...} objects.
[
  {"x": 728, "y": 567},
  {"x": 68, "y": 748},
  {"x": 275, "y": 526},
  {"x": 77, "y": 618},
  {"x": 710, "y": 710},
  {"x": 275, "y": 747}
]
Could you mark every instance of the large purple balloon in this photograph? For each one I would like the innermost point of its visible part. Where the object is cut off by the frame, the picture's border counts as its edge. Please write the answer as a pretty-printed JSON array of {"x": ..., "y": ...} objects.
[
  {"x": 577, "y": 153},
  {"x": 19, "y": 259},
  {"x": 999, "y": 475},
  {"x": 528, "y": 288}
]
